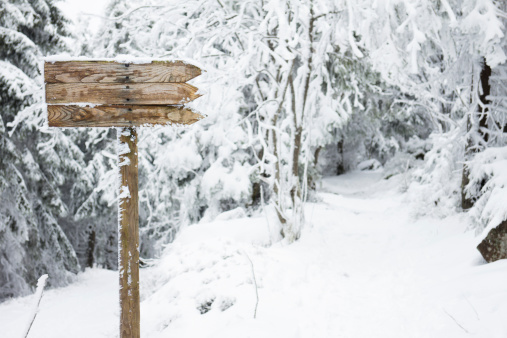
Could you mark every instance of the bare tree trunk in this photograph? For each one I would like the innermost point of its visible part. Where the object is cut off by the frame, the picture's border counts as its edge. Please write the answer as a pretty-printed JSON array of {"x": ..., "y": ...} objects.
[
  {"x": 277, "y": 183},
  {"x": 484, "y": 102},
  {"x": 295, "y": 191},
  {"x": 91, "y": 249},
  {"x": 340, "y": 169},
  {"x": 294, "y": 229},
  {"x": 482, "y": 113}
]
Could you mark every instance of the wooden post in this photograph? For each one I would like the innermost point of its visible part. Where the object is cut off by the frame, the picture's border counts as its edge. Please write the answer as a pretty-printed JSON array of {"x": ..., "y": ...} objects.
[{"x": 128, "y": 233}]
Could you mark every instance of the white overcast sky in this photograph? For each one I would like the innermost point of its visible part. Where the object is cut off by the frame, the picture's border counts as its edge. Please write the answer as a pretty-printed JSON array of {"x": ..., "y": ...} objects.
[{"x": 74, "y": 9}]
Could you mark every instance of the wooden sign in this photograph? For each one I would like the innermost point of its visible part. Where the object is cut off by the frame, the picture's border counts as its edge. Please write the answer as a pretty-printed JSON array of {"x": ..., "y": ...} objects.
[
  {"x": 111, "y": 94},
  {"x": 126, "y": 95}
]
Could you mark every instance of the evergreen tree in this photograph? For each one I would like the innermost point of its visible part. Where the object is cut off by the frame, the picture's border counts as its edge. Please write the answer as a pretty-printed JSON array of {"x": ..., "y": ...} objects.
[{"x": 35, "y": 166}]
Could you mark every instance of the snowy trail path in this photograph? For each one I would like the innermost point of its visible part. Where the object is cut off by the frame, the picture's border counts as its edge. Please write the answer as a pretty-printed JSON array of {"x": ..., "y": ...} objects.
[
  {"x": 402, "y": 276},
  {"x": 365, "y": 267},
  {"x": 394, "y": 275}
]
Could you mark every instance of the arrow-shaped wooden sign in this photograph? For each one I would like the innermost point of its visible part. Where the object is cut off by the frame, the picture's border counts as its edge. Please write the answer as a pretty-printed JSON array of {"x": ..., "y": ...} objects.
[
  {"x": 117, "y": 94},
  {"x": 74, "y": 88}
]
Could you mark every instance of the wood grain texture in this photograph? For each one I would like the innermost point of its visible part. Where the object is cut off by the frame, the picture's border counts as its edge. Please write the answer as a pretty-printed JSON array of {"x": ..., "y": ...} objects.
[
  {"x": 128, "y": 236},
  {"x": 114, "y": 72},
  {"x": 113, "y": 93},
  {"x": 119, "y": 116}
]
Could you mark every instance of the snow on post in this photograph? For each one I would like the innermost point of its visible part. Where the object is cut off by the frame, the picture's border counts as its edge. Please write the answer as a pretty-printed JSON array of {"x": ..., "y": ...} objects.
[{"x": 128, "y": 232}]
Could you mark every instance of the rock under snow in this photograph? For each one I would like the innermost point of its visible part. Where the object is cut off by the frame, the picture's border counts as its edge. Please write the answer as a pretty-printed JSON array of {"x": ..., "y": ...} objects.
[{"x": 494, "y": 246}]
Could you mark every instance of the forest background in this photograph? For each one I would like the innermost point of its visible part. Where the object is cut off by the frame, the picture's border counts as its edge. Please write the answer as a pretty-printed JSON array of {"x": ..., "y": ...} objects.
[{"x": 294, "y": 91}]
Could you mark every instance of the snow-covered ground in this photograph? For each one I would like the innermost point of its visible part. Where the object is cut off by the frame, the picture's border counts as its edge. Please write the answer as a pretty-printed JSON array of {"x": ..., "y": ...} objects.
[{"x": 364, "y": 267}]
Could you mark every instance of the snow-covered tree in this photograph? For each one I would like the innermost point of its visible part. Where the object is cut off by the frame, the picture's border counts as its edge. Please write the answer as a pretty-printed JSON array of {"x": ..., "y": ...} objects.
[
  {"x": 447, "y": 55},
  {"x": 298, "y": 77},
  {"x": 308, "y": 74},
  {"x": 35, "y": 166},
  {"x": 266, "y": 120}
]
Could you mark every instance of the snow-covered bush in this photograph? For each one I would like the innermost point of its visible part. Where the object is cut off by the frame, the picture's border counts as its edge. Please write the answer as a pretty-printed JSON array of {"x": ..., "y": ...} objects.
[
  {"x": 434, "y": 186},
  {"x": 487, "y": 173}
]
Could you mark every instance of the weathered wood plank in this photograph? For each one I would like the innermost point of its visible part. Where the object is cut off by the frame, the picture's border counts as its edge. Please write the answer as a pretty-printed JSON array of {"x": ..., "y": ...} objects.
[
  {"x": 119, "y": 116},
  {"x": 128, "y": 233},
  {"x": 113, "y": 93},
  {"x": 111, "y": 72}
]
